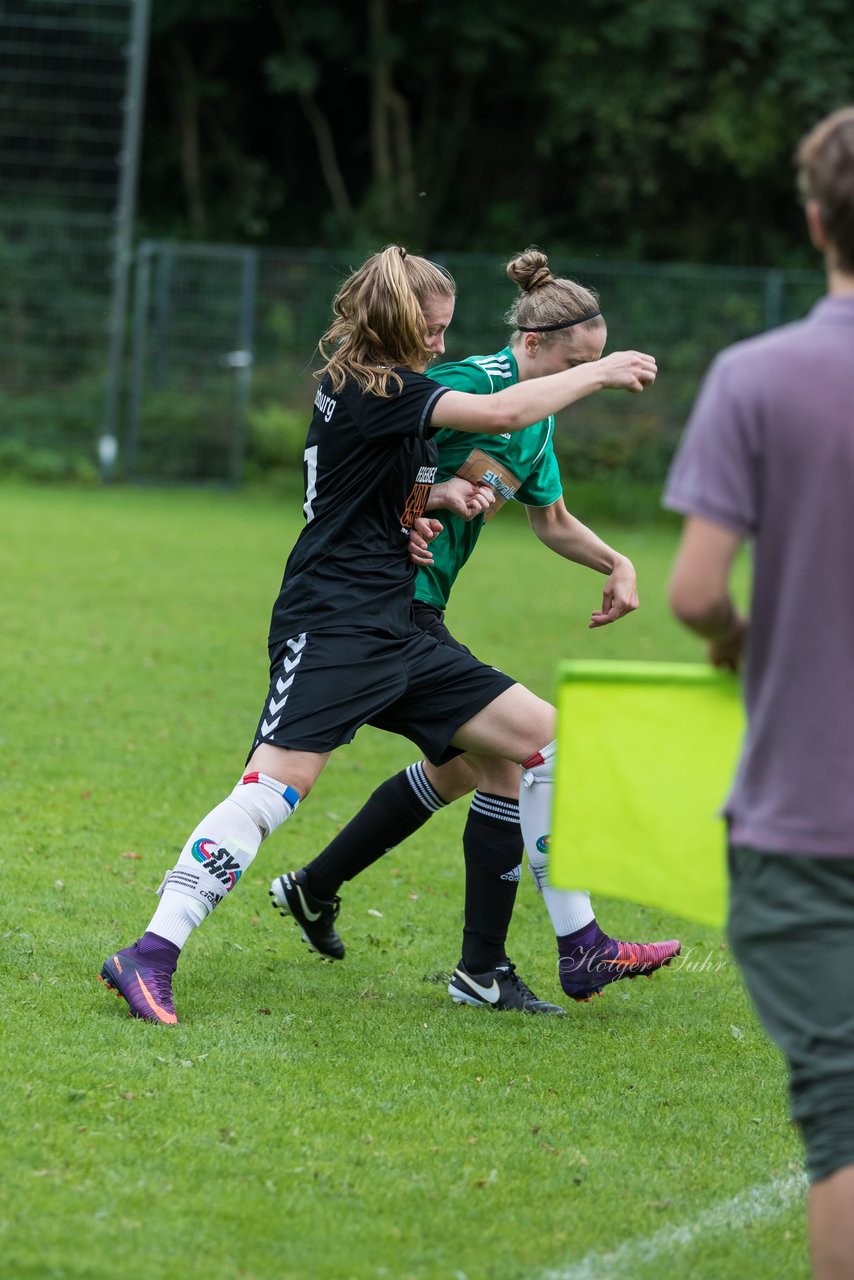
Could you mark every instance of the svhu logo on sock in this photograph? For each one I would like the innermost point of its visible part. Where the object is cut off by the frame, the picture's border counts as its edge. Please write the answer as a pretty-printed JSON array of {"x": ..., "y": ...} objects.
[
  {"x": 543, "y": 844},
  {"x": 218, "y": 863}
]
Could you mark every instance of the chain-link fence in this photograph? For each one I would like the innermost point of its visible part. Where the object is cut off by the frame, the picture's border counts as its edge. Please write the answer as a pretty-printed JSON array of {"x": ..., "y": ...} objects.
[
  {"x": 224, "y": 343},
  {"x": 217, "y": 384},
  {"x": 63, "y": 113}
]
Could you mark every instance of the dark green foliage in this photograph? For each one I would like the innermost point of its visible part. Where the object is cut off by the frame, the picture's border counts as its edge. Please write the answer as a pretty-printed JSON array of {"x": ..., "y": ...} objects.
[
  {"x": 623, "y": 127},
  {"x": 50, "y": 435},
  {"x": 276, "y": 441},
  {"x": 616, "y": 132}
]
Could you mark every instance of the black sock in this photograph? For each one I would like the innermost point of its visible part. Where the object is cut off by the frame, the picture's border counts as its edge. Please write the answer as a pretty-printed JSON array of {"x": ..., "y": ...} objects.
[
  {"x": 398, "y": 807},
  {"x": 492, "y": 843}
]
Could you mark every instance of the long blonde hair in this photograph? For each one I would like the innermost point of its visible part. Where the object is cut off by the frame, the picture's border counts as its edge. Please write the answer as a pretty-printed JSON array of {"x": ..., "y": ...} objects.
[{"x": 379, "y": 321}]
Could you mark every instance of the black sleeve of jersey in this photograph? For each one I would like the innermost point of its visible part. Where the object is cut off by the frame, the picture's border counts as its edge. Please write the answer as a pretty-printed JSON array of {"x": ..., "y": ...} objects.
[{"x": 404, "y": 413}]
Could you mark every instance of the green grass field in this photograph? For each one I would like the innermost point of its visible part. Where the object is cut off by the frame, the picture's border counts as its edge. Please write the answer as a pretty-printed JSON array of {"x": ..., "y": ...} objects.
[{"x": 305, "y": 1119}]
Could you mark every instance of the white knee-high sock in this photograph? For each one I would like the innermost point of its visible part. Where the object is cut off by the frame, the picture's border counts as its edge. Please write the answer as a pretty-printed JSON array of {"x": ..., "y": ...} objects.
[
  {"x": 218, "y": 852},
  {"x": 569, "y": 909}
]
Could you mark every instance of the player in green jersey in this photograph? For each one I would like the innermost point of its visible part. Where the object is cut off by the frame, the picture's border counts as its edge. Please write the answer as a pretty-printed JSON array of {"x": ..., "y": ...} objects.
[{"x": 556, "y": 325}]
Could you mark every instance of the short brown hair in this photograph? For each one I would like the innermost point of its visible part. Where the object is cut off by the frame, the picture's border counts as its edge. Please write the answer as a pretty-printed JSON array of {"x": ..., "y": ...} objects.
[
  {"x": 379, "y": 320},
  {"x": 825, "y": 161}
]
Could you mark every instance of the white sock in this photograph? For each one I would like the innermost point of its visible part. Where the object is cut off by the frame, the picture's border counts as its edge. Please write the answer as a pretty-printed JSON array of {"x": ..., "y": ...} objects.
[
  {"x": 569, "y": 909},
  {"x": 218, "y": 852}
]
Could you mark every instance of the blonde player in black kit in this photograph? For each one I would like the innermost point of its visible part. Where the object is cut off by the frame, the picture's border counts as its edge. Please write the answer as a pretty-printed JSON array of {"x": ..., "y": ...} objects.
[{"x": 344, "y": 648}]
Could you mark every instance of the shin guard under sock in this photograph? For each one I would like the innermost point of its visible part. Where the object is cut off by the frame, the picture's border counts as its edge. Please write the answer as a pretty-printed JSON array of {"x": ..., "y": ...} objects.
[
  {"x": 569, "y": 909},
  {"x": 217, "y": 854}
]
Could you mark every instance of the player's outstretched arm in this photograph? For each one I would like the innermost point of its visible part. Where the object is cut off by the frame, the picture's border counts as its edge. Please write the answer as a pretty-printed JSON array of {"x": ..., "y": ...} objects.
[
  {"x": 531, "y": 401},
  {"x": 559, "y": 530}
]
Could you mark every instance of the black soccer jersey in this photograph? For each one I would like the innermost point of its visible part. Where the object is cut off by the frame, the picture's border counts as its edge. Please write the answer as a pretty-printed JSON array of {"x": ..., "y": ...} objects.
[{"x": 369, "y": 462}]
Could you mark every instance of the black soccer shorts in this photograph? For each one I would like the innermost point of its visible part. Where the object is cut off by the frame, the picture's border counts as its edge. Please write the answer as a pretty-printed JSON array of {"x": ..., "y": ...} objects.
[
  {"x": 324, "y": 685},
  {"x": 430, "y": 618}
]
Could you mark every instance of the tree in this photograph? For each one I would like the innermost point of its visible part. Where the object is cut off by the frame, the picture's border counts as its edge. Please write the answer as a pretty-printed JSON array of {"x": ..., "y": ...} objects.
[{"x": 635, "y": 128}]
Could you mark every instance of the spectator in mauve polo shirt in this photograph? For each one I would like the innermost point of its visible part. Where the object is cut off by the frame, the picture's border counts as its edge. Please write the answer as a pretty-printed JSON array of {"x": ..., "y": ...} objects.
[{"x": 768, "y": 457}]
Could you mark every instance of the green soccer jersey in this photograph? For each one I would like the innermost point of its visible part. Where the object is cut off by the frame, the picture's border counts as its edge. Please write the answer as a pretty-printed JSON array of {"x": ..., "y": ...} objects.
[{"x": 529, "y": 455}]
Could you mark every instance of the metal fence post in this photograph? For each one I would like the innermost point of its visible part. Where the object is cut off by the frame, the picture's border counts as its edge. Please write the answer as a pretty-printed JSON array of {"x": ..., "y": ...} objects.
[
  {"x": 129, "y": 168},
  {"x": 773, "y": 299},
  {"x": 142, "y": 291},
  {"x": 242, "y": 361},
  {"x": 162, "y": 313}
]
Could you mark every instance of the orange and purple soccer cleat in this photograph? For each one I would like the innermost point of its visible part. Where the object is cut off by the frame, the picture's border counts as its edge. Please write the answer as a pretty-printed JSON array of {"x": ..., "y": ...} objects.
[
  {"x": 144, "y": 981},
  {"x": 586, "y": 967}
]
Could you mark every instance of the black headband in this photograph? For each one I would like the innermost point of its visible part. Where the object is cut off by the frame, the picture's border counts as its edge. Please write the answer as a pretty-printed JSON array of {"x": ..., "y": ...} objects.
[{"x": 564, "y": 324}]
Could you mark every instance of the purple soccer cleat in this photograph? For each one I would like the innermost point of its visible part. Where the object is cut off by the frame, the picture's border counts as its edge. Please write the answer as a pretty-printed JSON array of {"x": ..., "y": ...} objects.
[
  {"x": 585, "y": 969},
  {"x": 144, "y": 980}
]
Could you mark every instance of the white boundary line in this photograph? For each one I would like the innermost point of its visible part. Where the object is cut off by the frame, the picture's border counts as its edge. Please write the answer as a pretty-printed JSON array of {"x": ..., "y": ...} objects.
[{"x": 760, "y": 1203}]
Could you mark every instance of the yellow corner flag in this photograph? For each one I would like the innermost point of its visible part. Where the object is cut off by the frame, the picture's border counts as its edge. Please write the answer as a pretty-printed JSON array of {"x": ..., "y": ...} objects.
[{"x": 646, "y": 753}]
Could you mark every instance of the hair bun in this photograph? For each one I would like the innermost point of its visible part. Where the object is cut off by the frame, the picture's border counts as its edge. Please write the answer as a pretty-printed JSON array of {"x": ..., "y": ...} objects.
[{"x": 530, "y": 270}]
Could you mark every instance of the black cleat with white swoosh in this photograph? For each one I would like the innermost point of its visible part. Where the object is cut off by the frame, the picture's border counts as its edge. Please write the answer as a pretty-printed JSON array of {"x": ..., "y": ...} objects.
[
  {"x": 315, "y": 916},
  {"x": 500, "y": 988}
]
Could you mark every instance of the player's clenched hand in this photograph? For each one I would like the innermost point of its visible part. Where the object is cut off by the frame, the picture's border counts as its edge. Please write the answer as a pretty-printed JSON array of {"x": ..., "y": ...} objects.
[
  {"x": 480, "y": 499},
  {"x": 460, "y": 497},
  {"x": 620, "y": 595},
  {"x": 628, "y": 370},
  {"x": 422, "y": 532},
  {"x": 726, "y": 653}
]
